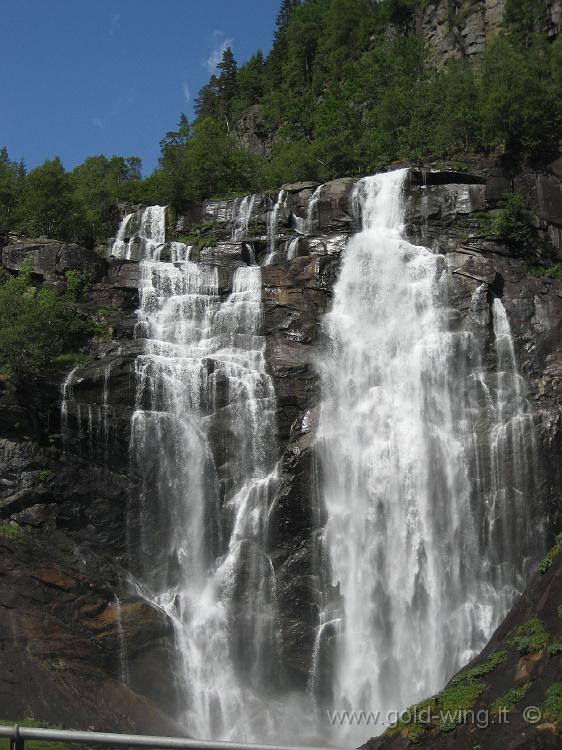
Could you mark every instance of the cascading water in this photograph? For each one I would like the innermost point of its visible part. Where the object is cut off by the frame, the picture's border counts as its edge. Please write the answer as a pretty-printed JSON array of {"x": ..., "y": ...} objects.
[
  {"x": 199, "y": 528},
  {"x": 242, "y": 215},
  {"x": 414, "y": 588},
  {"x": 272, "y": 222}
]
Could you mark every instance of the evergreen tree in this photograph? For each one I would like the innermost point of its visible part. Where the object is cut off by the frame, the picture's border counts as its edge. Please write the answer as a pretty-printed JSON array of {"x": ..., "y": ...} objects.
[
  {"x": 227, "y": 86},
  {"x": 12, "y": 176},
  {"x": 284, "y": 14}
]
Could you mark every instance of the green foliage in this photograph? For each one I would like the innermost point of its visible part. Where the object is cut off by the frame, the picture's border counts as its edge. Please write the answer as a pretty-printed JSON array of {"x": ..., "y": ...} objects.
[
  {"x": 198, "y": 241},
  {"x": 514, "y": 223},
  {"x": 48, "y": 206},
  {"x": 552, "y": 708},
  {"x": 36, "y": 325},
  {"x": 493, "y": 661},
  {"x": 72, "y": 358},
  {"x": 547, "y": 561},
  {"x": 530, "y": 637},
  {"x": 9, "y": 531},
  {"x": 46, "y": 474},
  {"x": 76, "y": 284},
  {"x": 519, "y": 106},
  {"x": 548, "y": 272},
  {"x": 555, "y": 648},
  {"x": 524, "y": 16},
  {"x": 509, "y": 700},
  {"x": 12, "y": 176}
]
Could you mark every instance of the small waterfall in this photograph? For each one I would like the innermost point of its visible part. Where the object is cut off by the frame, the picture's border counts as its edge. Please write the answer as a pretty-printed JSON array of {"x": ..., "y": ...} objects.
[
  {"x": 418, "y": 588},
  {"x": 272, "y": 223},
  {"x": 312, "y": 220},
  {"x": 123, "y": 656},
  {"x": 66, "y": 393},
  {"x": 200, "y": 505},
  {"x": 242, "y": 215},
  {"x": 141, "y": 235},
  {"x": 292, "y": 248}
]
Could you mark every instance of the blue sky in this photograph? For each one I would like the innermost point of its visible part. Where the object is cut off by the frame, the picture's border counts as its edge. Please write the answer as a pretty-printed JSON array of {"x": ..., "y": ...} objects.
[{"x": 83, "y": 77}]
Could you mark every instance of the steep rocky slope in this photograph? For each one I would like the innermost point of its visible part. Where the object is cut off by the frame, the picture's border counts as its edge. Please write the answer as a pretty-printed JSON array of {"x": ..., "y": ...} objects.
[{"x": 66, "y": 510}]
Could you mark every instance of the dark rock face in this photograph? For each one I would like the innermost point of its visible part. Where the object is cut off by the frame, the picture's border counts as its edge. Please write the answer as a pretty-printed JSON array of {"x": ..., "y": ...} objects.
[
  {"x": 78, "y": 488},
  {"x": 52, "y": 258}
]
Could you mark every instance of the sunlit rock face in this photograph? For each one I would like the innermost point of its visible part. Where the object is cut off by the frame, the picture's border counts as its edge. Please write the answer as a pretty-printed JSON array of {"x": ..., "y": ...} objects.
[{"x": 322, "y": 449}]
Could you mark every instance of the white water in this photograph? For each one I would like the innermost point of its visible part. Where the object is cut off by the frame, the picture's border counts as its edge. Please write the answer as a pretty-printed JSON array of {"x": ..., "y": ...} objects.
[
  {"x": 421, "y": 587},
  {"x": 140, "y": 236},
  {"x": 242, "y": 215},
  {"x": 272, "y": 223},
  {"x": 201, "y": 518},
  {"x": 312, "y": 211},
  {"x": 428, "y": 467}
]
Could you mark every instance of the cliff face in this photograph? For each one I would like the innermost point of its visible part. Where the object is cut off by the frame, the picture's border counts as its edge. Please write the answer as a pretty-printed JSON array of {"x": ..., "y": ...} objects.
[
  {"x": 66, "y": 608},
  {"x": 455, "y": 29}
]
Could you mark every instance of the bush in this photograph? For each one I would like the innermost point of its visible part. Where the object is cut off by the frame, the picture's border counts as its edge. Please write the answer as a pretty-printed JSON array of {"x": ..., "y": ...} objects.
[{"x": 36, "y": 325}]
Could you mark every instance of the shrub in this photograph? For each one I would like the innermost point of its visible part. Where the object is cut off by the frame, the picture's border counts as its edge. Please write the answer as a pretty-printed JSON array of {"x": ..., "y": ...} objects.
[{"x": 36, "y": 326}]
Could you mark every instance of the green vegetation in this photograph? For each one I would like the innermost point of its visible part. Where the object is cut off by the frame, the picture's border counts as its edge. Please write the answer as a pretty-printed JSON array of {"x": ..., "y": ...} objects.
[
  {"x": 514, "y": 224},
  {"x": 345, "y": 90},
  {"x": 529, "y": 637},
  {"x": 493, "y": 661},
  {"x": 34, "y": 744},
  {"x": 555, "y": 648},
  {"x": 9, "y": 531},
  {"x": 46, "y": 474},
  {"x": 450, "y": 704},
  {"x": 198, "y": 241},
  {"x": 552, "y": 707},
  {"x": 37, "y": 326},
  {"x": 548, "y": 272},
  {"x": 547, "y": 561},
  {"x": 509, "y": 700}
]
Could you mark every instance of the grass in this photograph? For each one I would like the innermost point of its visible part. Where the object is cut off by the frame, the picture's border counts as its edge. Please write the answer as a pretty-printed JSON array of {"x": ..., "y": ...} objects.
[
  {"x": 34, "y": 744},
  {"x": 529, "y": 637}
]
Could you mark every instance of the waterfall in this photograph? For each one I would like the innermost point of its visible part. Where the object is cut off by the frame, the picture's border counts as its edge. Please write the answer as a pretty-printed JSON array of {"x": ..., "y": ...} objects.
[
  {"x": 141, "y": 234},
  {"x": 203, "y": 458},
  {"x": 312, "y": 211},
  {"x": 292, "y": 248},
  {"x": 242, "y": 214},
  {"x": 272, "y": 223},
  {"x": 122, "y": 641},
  {"x": 416, "y": 586}
]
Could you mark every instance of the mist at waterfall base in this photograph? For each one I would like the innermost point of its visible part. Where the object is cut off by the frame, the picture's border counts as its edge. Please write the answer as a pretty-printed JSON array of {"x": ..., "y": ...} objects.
[{"x": 426, "y": 465}]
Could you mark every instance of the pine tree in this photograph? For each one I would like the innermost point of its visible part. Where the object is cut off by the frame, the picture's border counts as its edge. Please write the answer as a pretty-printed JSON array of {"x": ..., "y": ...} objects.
[
  {"x": 287, "y": 7},
  {"x": 227, "y": 84}
]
